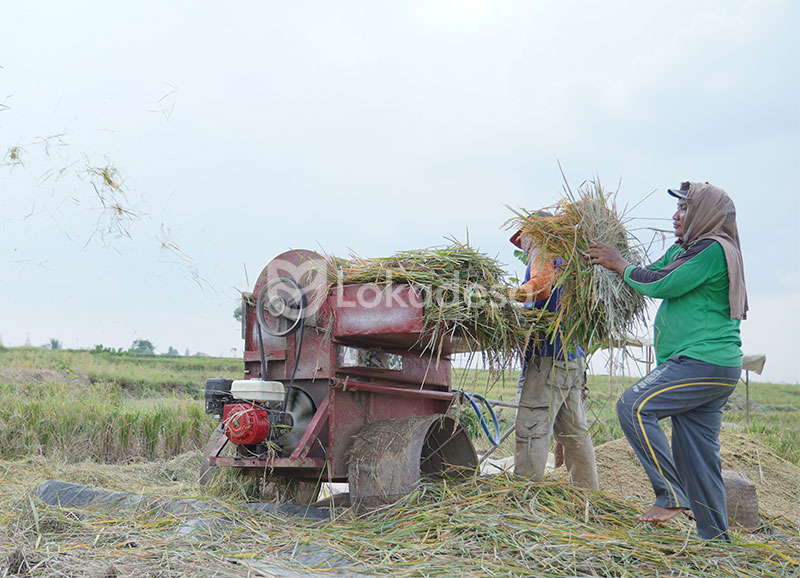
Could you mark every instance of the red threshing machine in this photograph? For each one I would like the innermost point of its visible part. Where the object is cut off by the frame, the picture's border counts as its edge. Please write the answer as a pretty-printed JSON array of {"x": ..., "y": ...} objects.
[{"x": 338, "y": 386}]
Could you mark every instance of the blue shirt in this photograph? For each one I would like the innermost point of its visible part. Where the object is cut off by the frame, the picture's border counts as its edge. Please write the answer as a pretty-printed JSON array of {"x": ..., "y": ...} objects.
[{"x": 548, "y": 349}]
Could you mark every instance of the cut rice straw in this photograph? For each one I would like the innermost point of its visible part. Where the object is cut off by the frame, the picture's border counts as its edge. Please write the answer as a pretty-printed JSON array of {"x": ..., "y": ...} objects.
[
  {"x": 597, "y": 308},
  {"x": 465, "y": 297},
  {"x": 496, "y": 526}
]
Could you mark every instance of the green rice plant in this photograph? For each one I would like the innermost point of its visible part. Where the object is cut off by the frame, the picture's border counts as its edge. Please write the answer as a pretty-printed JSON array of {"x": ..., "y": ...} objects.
[
  {"x": 48, "y": 405},
  {"x": 77, "y": 428}
]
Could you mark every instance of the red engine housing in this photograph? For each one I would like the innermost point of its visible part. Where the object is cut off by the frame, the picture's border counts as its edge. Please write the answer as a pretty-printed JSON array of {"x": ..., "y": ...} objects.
[{"x": 245, "y": 423}]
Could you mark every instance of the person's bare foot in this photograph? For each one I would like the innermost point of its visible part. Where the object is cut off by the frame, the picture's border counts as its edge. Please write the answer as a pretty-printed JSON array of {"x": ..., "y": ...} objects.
[{"x": 658, "y": 514}]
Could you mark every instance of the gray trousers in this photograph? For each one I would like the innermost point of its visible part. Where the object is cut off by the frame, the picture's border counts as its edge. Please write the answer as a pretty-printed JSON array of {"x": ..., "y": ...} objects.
[
  {"x": 689, "y": 475},
  {"x": 550, "y": 404}
]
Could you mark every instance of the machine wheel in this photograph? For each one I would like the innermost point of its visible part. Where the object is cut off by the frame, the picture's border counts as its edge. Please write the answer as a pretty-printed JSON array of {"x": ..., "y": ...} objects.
[{"x": 390, "y": 456}]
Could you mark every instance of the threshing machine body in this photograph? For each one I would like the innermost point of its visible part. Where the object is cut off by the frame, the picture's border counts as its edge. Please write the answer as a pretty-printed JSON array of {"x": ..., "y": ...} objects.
[{"x": 354, "y": 360}]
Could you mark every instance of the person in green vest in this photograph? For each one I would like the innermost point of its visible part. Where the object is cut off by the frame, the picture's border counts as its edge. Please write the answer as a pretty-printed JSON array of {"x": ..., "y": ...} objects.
[{"x": 698, "y": 350}]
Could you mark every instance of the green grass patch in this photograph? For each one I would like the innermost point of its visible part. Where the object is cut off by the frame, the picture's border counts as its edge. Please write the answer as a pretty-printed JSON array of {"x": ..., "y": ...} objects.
[{"x": 775, "y": 419}]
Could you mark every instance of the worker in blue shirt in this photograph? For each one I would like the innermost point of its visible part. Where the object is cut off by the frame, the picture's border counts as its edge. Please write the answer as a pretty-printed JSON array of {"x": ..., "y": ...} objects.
[{"x": 552, "y": 382}]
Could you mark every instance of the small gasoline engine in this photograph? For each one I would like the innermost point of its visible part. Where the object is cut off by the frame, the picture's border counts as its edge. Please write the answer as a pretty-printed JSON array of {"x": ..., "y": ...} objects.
[{"x": 251, "y": 411}]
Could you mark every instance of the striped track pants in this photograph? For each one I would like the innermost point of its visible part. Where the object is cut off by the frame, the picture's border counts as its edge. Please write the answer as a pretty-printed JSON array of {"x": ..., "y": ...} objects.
[{"x": 689, "y": 475}]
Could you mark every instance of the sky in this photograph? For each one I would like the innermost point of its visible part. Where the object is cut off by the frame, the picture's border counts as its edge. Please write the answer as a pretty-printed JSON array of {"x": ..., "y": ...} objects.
[{"x": 236, "y": 131}]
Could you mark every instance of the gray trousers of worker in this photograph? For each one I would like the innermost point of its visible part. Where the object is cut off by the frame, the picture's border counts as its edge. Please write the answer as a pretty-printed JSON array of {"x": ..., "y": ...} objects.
[
  {"x": 689, "y": 475},
  {"x": 550, "y": 404}
]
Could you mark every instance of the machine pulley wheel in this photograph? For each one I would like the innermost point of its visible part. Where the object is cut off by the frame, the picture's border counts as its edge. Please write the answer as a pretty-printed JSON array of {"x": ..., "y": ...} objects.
[{"x": 281, "y": 306}]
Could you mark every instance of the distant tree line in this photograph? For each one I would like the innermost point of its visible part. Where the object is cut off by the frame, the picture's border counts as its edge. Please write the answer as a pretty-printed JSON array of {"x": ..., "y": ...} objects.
[{"x": 139, "y": 348}]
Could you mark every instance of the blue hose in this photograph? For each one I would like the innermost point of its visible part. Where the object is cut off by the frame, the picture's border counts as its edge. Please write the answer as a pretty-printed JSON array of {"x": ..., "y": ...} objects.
[{"x": 495, "y": 439}]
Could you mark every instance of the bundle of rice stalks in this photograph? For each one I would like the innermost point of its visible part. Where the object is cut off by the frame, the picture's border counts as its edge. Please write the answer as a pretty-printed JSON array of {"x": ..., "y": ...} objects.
[
  {"x": 597, "y": 308},
  {"x": 465, "y": 297}
]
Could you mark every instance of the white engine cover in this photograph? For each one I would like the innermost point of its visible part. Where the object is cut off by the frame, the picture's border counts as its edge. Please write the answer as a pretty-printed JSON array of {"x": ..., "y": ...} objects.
[{"x": 258, "y": 390}]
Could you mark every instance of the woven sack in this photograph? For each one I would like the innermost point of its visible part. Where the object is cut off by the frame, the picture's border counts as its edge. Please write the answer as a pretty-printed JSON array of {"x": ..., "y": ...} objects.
[{"x": 742, "y": 500}]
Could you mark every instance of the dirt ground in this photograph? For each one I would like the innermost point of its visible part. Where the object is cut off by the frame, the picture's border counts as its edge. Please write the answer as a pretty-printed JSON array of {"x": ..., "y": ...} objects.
[{"x": 777, "y": 481}]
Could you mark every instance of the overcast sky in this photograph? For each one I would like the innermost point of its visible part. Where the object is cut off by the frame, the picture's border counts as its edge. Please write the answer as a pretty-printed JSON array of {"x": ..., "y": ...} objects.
[{"x": 239, "y": 130}]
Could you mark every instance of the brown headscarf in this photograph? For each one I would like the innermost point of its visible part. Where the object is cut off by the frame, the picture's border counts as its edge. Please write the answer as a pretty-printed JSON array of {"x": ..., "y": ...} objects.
[{"x": 710, "y": 214}]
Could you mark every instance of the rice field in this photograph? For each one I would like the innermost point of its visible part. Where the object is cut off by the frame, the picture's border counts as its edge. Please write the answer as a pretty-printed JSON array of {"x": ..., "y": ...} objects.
[{"x": 77, "y": 405}]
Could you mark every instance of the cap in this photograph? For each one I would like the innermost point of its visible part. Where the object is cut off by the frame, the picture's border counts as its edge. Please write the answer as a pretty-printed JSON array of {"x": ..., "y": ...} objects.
[{"x": 682, "y": 192}]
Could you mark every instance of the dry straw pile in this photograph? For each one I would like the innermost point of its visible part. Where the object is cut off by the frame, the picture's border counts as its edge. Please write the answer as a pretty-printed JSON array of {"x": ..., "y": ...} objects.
[
  {"x": 507, "y": 526},
  {"x": 597, "y": 308},
  {"x": 499, "y": 526}
]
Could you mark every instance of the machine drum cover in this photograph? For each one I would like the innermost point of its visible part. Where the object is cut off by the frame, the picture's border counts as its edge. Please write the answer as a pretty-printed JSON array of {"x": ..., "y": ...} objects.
[{"x": 245, "y": 423}]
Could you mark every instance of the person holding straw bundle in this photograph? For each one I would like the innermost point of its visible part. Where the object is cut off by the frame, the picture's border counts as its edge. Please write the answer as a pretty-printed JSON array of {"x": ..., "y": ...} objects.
[
  {"x": 551, "y": 385},
  {"x": 698, "y": 349}
]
